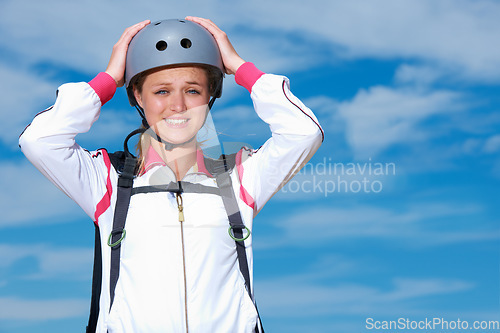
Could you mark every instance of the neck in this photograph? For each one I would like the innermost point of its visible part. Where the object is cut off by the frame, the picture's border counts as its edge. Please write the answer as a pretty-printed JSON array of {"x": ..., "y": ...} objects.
[{"x": 179, "y": 159}]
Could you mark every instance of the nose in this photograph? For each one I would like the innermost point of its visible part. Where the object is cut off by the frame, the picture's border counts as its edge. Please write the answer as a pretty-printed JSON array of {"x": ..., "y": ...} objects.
[{"x": 177, "y": 102}]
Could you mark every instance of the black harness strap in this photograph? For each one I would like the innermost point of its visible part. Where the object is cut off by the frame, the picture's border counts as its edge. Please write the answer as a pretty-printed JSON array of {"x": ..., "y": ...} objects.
[
  {"x": 126, "y": 176},
  {"x": 236, "y": 224},
  {"x": 96, "y": 283},
  {"x": 124, "y": 192},
  {"x": 237, "y": 227},
  {"x": 173, "y": 187}
]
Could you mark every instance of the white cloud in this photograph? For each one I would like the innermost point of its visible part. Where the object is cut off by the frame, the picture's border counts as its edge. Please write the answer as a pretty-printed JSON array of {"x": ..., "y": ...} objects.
[
  {"x": 421, "y": 75},
  {"x": 324, "y": 299},
  {"x": 492, "y": 144},
  {"x": 240, "y": 123},
  {"x": 24, "y": 95},
  {"x": 380, "y": 117},
  {"x": 53, "y": 32},
  {"x": 416, "y": 225},
  {"x": 14, "y": 308},
  {"x": 326, "y": 110},
  {"x": 288, "y": 298},
  {"x": 274, "y": 50},
  {"x": 111, "y": 129},
  {"x": 484, "y": 145},
  {"x": 461, "y": 35},
  {"x": 53, "y": 263},
  {"x": 28, "y": 198}
]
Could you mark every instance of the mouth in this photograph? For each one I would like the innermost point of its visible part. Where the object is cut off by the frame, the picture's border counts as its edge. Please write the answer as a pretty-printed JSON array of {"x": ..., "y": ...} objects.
[{"x": 176, "y": 122}]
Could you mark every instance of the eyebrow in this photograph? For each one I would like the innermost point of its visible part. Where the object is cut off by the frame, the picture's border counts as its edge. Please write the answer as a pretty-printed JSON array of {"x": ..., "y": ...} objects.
[
  {"x": 194, "y": 82},
  {"x": 170, "y": 83}
]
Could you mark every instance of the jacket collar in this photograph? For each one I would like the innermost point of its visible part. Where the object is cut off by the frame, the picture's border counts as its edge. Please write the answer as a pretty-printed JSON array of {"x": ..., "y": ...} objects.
[{"x": 153, "y": 159}]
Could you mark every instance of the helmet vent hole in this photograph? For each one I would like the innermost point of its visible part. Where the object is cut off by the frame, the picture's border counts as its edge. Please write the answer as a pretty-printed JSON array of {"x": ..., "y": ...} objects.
[
  {"x": 158, "y": 23},
  {"x": 161, "y": 45},
  {"x": 186, "y": 43}
]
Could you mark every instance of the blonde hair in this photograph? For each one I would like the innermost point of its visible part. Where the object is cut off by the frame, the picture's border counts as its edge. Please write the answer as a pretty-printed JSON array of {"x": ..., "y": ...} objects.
[{"x": 141, "y": 149}]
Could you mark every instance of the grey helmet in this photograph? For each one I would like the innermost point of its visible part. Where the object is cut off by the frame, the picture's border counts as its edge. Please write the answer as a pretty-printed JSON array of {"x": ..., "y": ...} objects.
[{"x": 171, "y": 42}]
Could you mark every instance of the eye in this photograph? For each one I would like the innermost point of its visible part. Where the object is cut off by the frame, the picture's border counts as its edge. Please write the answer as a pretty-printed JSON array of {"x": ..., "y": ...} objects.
[
  {"x": 161, "y": 92},
  {"x": 193, "y": 92}
]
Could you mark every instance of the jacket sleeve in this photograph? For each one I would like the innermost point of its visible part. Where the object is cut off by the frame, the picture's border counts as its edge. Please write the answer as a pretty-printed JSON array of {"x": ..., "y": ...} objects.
[
  {"x": 296, "y": 136},
  {"x": 49, "y": 143}
]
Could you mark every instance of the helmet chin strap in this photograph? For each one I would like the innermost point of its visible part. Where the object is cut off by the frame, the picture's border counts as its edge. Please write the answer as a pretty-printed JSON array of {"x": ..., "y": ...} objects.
[{"x": 168, "y": 145}]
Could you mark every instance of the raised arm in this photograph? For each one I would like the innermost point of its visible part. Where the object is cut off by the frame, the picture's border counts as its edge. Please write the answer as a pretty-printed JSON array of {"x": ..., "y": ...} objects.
[
  {"x": 296, "y": 133},
  {"x": 49, "y": 141}
]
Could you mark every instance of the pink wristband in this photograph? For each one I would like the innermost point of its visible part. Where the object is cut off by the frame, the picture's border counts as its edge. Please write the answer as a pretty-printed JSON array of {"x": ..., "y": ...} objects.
[
  {"x": 247, "y": 74},
  {"x": 104, "y": 86}
]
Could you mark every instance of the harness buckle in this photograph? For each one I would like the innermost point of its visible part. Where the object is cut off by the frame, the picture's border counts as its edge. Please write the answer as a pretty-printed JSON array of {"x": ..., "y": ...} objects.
[
  {"x": 116, "y": 232},
  {"x": 230, "y": 231}
]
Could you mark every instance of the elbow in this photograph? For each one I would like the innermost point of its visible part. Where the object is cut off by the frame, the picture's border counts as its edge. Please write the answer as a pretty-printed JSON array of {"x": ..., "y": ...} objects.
[
  {"x": 319, "y": 135},
  {"x": 316, "y": 139},
  {"x": 26, "y": 139},
  {"x": 315, "y": 135},
  {"x": 28, "y": 143},
  {"x": 309, "y": 140},
  {"x": 313, "y": 139},
  {"x": 33, "y": 145},
  {"x": 312, "y": 128}
]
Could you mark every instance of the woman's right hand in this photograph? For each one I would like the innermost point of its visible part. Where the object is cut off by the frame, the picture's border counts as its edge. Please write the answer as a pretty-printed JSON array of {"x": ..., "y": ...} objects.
[{"x": 116, "y": 65}]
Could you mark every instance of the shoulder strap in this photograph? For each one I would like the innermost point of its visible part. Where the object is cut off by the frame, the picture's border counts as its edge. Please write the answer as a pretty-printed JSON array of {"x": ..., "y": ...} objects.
[
  {"x": 96, "y": 283},
  {"x": 125, "y": 165},
  {"x": 224, "y": 163},
  {"x": 118, "y": 161},
  {"x": 236, "y": 226},
  {"x": 124, "y": 192}
]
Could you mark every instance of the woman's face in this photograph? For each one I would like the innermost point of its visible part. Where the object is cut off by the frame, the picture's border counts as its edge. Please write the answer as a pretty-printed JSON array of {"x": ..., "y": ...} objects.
[{"x": 175, "y": 102}]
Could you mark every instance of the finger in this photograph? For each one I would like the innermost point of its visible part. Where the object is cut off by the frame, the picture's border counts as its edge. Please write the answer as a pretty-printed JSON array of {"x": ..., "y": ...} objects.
[
  {"x": 230, "y": 57},
  {"x": 131, "y": 31},
  {"x": 207, "y": 24},
  {"x": 116, "y": 65}
]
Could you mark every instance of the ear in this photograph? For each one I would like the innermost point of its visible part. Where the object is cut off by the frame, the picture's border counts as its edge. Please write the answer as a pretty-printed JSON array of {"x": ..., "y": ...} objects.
[{"x": 138, "y": 97}]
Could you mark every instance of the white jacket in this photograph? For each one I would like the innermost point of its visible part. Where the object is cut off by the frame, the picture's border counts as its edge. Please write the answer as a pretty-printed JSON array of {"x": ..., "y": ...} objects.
[{"x": 156, "y": 268}]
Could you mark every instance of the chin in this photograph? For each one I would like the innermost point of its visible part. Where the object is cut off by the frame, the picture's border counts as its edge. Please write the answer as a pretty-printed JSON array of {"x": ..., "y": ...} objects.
[{"x": 178, "y": 139}]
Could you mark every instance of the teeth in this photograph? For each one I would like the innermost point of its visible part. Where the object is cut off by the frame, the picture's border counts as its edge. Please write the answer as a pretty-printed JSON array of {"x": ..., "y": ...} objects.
[{"x": 175, "y": 121}]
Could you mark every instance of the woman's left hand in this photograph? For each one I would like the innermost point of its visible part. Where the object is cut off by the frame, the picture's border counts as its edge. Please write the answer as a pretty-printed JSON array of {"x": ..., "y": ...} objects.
[{"x": 232, "y": 61}]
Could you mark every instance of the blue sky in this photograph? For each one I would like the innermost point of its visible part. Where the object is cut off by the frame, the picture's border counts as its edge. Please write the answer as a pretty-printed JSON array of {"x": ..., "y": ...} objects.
[{"x": 408, "y": 85}]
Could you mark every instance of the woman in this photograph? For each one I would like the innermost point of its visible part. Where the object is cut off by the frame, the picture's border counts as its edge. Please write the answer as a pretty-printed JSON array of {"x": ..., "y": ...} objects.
[{"x": 178, "y": 269}]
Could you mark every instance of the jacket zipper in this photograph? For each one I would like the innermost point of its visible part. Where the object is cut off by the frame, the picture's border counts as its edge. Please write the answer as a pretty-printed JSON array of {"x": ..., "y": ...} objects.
[{"x": 181, "y": 221}]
